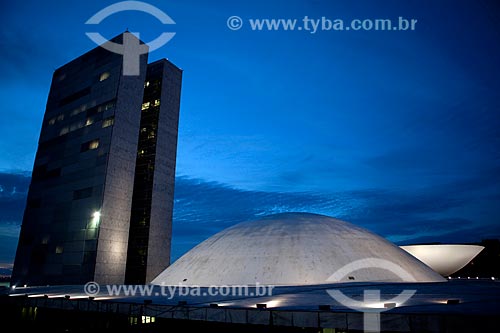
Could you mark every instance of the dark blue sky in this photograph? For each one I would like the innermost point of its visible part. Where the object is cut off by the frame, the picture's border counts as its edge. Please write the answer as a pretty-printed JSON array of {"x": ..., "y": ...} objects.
[{"x": 397, "y": 131}]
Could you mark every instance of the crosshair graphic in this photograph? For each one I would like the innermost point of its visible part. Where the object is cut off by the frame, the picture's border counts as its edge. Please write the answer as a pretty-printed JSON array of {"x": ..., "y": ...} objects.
[
  {"x": 371, "y": 306},
  {"x": 131, "y": 49}
]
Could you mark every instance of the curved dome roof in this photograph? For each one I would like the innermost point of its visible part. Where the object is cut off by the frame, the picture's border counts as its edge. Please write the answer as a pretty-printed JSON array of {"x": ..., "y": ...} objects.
[
  {"x": 445, "y": 259},
  {"x": 292, "y": 249}
]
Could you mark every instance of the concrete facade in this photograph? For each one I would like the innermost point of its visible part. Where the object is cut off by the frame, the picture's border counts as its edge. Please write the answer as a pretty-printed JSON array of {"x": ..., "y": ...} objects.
[
  {"x": 77, "y": 218},
  {"x": 295, "y": 249},
  {"x": 152, "y": 206}
]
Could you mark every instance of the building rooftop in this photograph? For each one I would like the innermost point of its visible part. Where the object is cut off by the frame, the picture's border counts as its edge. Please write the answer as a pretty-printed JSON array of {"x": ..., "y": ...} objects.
[{"x": 454, "y": 305}]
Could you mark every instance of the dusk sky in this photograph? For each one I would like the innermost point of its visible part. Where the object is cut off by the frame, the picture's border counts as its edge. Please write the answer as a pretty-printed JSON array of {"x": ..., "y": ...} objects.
[{"x": 395, "y": 131}]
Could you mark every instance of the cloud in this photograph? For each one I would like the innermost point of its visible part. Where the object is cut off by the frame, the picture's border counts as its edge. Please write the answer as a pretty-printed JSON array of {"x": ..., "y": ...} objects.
[
  {"x": 13, "y": 191},
  {"x": 464, "y": 235},
  {"x": 461, "y": 211},
  {"x": 203, "y": 208},
  {"x": 464, "y": 209},
  {"x": 445, "y": 213}
]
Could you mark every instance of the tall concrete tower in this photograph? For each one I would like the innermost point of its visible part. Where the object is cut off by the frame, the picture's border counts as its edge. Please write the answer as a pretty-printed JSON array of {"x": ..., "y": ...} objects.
[{"x": 100, "y": 201}]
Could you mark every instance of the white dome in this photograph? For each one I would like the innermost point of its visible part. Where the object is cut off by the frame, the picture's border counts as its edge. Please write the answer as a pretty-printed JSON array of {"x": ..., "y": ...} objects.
[
  {"x": 445, "y": 259},
  {"x": 292, "y": 249}
]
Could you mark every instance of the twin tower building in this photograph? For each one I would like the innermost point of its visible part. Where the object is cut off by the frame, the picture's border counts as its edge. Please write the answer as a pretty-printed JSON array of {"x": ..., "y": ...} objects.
[{"x": 100, "y": 203}]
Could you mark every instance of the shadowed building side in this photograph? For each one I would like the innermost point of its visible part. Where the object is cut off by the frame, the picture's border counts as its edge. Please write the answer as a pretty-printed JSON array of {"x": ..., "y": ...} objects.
[
  {"x": 79, "y": 208},
  {"x": 112, "y": 243},
  {"x": 75, "y": 225},
  {"x": 152, "y": 205}
]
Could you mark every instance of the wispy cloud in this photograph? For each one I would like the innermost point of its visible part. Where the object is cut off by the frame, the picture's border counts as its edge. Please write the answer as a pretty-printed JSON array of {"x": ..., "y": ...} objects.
[{"x": 459, "y": 211}]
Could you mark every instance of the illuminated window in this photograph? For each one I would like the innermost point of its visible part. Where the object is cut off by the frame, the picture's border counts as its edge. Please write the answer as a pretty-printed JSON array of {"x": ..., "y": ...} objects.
[
  {"x": 59, "y": 249},
  {"x": 146, "y": 84},
  {"x": 104, "y": 76},
  {"x": 64, "y": 130},
  {"x": 108, "y": 122},
  {"x": 60, "y": 117},
  {"x": 96, "y": 218},
  {"x": 145, "y": 105},
  {"x": 90, "y": 145},
  {"x": 94, "y": 144},
  {"x": 29, "y": 313},
  {"x": 52, "y": 121},
  {"x": 89, "y": 121},
  {"x": 156, "y": 102},
  {"x": 148, "y": 319}
]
